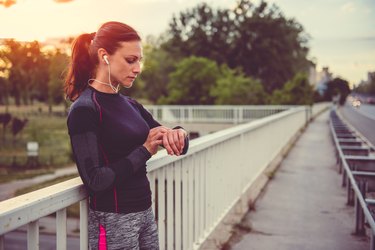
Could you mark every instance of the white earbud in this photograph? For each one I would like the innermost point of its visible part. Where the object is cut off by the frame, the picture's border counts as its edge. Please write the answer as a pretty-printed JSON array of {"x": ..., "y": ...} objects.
[{"x": 105, "y": 58}]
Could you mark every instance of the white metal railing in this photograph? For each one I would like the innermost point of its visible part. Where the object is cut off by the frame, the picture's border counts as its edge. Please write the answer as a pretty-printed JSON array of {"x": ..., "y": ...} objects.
[
  {"x": 213, "y": 113},
  {"x": 207, "y": 182},
  {"x": 191, "y": 193},
  {"x": 27, "y": 209}
]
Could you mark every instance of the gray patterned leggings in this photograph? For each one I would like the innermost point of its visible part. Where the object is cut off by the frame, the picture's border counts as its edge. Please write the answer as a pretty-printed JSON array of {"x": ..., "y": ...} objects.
[{"x": 112, "y": 231}]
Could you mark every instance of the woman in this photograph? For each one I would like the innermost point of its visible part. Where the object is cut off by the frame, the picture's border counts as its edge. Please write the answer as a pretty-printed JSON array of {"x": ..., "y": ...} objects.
[{"x": 113, "y": 136}]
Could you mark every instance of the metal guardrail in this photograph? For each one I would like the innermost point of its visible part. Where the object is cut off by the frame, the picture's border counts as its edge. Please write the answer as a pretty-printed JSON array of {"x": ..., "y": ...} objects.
[{"x": 357, "y": 164}]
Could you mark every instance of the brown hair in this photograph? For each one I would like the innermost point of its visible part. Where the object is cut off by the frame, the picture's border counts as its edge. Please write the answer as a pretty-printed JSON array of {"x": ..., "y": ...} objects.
[{"x": 84, "y": 54}]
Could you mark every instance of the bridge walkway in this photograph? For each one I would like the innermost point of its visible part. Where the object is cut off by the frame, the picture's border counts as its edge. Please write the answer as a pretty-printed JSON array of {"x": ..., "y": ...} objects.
[{"x": 304, "y": 206}]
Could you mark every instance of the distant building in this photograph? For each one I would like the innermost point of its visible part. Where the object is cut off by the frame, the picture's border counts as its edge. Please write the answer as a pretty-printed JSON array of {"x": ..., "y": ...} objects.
[
  {"x": 312, "y": 75},
  {"x": 319, "y": 79}
]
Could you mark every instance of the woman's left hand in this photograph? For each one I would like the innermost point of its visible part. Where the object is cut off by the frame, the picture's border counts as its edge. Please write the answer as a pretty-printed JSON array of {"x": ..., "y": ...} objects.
[{"x": 174, "y": 141}]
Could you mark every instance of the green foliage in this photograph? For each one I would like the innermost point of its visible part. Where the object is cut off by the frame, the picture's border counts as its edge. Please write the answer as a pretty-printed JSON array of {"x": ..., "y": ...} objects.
[
  {"x": 27, "y": 68},
  {"x": 192, "y": 81},
  {"x": 237, "y": 89},
  {"x": 337, "y": 86},
  {"x": 29, "y": 74},
  {"x": 257, "y": 38},
  {"x": 4, "y": 90},
  {"x": 198, "y": 80},
  {"x": 58, "y": 63},
  {"x": 155, "y": 74},
  {"x": 297, "y": 91}
]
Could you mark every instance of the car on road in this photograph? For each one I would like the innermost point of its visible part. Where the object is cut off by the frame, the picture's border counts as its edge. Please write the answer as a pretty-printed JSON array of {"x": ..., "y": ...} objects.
[
  {"x": 370, "y": 100},
  {"x": 356, "y": 103}
]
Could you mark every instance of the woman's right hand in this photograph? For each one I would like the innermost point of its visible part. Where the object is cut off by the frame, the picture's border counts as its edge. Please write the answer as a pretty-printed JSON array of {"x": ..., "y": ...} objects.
[{"x": 155, "y": 139}]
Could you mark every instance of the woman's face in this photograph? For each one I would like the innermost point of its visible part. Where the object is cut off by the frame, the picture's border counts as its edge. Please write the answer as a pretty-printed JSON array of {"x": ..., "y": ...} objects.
[{"x": 125, "y": 63}]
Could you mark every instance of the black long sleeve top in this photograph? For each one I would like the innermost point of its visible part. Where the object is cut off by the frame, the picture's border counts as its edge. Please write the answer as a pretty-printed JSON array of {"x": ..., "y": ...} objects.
[{"x": 107, "y": 133}]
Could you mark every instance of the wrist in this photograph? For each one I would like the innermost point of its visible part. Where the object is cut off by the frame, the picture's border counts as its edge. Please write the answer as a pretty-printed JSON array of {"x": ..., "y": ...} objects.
[{"x": 146, "y": 151}]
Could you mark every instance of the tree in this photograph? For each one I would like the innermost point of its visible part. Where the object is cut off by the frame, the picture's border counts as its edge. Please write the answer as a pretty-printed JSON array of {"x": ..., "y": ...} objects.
[
  {"x": 155, "y": 73},
  {"x": 337, "y": 86},
  {"x": 191, "y": 82},
  {"x": 57, "y": 66},
  {"x": 38, "y": 67},
  {"x": 27, "y": 70},
  {"x": 203, "y": 32},
  {"x": 4, "y": 91},
  {"x": 257, "y": 38},
  {"x": 237, "y": 89},
  {"x": 297, "y": 91}
]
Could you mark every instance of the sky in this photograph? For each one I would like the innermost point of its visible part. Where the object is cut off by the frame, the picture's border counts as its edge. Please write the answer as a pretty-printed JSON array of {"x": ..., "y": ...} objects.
[{"x": 342, "y": 31}]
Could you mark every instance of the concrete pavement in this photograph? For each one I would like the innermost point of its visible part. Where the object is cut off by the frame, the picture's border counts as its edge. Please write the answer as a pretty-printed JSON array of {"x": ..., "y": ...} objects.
[{"x": 304, "y": 206}]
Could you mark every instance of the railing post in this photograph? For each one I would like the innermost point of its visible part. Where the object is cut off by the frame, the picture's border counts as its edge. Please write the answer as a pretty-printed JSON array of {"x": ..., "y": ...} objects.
[
  {"x": 344, "y": 177},
  {"x": 186, "y": 114},
  {"x": 235, "y": 115},
  {"x": 161, "y": 207},
  {"x": 33, "y": 235},
  {"x": 181, "y": 117},
  {"x": 61, "y": 229},
  {"x": 190, "y": 114},
  {"x": 178, "y": 217},
  {"x": 159, "y": 112},
  {"x": 359, "y": 218},
  {"x": 170, "y": 214},
  {"x": 350, "y": 194},
  {"x": 163, "y": 113},
  {"x": 83, "y": 223},
  {"x": 240, "y": 109}
]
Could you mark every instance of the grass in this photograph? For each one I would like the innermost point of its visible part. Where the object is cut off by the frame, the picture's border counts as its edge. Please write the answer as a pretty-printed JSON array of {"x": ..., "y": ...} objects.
[
  {"x": 72, "y": 211},
  {"x": 9, "y": 175},
  {"x": 50, "y": 131}
]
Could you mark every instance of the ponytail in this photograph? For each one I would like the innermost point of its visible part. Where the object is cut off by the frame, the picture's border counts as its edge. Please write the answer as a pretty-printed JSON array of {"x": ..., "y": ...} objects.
[
  {"x": 81, "y": 66},
  {"x": 85, "y": 54}
]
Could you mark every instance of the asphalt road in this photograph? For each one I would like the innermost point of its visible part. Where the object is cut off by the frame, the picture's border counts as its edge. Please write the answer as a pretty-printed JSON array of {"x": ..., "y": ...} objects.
[{"x": 362, "y": 118}]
